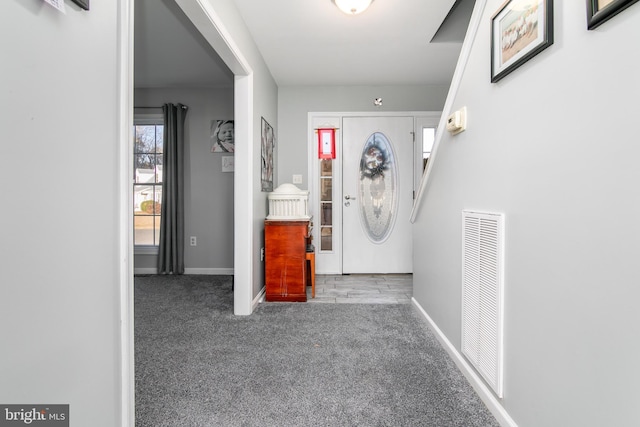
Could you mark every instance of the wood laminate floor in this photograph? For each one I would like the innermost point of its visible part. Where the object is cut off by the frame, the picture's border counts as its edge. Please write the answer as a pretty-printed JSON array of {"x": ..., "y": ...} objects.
[{"x": 363, "y": 289}]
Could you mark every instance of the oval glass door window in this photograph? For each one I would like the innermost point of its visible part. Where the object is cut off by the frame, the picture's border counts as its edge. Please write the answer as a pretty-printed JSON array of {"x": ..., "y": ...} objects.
[{"x": 378, "y": 188}]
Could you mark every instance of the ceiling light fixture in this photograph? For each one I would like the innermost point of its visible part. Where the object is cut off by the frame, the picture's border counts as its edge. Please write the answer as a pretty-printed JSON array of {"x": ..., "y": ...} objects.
[{"x": 352, "y": 7}]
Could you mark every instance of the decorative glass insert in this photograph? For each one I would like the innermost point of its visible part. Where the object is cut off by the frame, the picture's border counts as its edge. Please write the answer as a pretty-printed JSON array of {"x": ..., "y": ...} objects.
[
  {"x": 326, "y": 239},
  {"x": 326, "y": 205},
  {"x": 377, "y": 191}
]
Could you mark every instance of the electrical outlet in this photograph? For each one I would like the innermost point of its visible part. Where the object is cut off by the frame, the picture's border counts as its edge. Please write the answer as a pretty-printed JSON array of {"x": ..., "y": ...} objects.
[
  {"x": 193, "y": 241},
  {"x": 261, "y": 254},
  {"x": 297, "y": 179}
]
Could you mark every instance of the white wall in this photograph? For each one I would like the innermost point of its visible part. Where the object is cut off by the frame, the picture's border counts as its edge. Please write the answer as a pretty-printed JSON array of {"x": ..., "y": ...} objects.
[
  {"x": 59, "y": 292},
  {"x": 295, "y": 102},
  {"x": 546, "y": 146},
  {"x": 208, "y": 190}
]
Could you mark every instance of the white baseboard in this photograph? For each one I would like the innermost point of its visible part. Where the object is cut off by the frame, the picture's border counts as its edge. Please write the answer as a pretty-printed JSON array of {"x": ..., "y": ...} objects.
[
  {"x": 489, "y": 399},
  {"x": 210, "y": 271},
  {"x": 259, "y": 298},
  {"x": 204, "y": 271}
]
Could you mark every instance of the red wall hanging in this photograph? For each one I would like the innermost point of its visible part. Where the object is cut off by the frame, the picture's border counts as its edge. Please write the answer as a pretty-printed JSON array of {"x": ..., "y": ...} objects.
[{"x": 326, "y": 143}]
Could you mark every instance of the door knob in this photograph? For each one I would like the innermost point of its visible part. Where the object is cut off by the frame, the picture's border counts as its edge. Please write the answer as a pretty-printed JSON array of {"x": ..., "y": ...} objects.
[{"x": 347, "y": 197}]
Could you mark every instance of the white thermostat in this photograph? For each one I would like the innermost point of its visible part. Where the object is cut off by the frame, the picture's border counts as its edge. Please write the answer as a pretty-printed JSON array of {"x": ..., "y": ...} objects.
[{"x": 457, "y": 122}]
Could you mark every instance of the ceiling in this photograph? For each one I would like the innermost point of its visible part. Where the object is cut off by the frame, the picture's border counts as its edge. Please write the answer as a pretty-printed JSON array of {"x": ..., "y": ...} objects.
[{"x": 308, "y": 42}]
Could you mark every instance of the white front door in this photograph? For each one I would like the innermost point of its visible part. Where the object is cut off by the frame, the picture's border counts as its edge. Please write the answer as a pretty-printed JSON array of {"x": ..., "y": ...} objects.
[{"x": 377, "y": 171}]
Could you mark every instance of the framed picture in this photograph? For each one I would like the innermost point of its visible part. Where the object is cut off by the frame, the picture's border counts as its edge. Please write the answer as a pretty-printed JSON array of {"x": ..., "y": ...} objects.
[
  {"x": 267, "y": 149},
  {"x": 520, "y": 30},
  {"x": 222, "y": 136},
  {"x": 600, "y": 11},
  {"x": 82, "y": 3}
]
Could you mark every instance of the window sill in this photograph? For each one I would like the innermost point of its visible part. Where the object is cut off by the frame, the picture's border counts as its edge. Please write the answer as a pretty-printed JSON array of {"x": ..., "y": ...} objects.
[{"x": 145, "y": 250}]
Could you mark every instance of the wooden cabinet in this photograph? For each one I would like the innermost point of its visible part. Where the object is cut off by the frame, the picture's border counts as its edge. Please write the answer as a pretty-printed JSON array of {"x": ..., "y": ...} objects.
[{"x": 285, "y": 260}]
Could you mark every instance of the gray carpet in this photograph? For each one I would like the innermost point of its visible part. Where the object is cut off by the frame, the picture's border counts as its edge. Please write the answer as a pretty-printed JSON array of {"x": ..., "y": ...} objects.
[{"x": 289, "y": 364}]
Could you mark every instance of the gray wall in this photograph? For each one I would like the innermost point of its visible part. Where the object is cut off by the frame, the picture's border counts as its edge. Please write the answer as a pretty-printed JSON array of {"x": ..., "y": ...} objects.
[
  {"x": 265, "y": 105},
  {"x": 295, "y": 102},
  {"x": 553, "y": 147},
  {"x": 59, "y": 292},
  {"x": 251, "y": 208},
  {"x": 208, "y": 190}
]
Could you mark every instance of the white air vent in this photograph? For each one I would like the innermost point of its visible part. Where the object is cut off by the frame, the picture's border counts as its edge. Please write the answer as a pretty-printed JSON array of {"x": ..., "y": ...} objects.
[{"x": 482, "y": 294}]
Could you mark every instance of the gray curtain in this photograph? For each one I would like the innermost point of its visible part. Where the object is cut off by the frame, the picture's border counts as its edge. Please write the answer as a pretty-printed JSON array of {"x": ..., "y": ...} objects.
[{"x": 171, "y": 251}]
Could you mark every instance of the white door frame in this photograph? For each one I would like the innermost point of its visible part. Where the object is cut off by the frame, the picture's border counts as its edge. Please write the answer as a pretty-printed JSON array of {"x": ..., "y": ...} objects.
[
  {"x": 125, "y": 211},
  {"x": 210, "y": 25},
  {"x": 331, "y": 262}
]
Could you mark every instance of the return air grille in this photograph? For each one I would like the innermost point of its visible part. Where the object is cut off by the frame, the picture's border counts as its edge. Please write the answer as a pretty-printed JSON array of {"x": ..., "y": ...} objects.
[{"x": 482, "y": 294}]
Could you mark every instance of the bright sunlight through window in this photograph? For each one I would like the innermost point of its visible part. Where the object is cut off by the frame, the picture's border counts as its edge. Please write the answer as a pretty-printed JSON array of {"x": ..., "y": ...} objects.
[{"x": 147, "y": 187}]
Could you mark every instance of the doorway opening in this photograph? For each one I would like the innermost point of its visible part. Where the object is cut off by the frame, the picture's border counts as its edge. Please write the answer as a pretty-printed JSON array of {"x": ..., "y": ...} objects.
[{"x": 210, "y": 26}]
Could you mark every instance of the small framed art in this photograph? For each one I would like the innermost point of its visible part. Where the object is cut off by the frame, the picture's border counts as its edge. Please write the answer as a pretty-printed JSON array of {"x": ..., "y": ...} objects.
[
  {"x": 520, "y": 30},
  {"x": 600, "y": 11},
  {"x": 267, "y": 154},
  {"x": 82, "y": 3}
]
